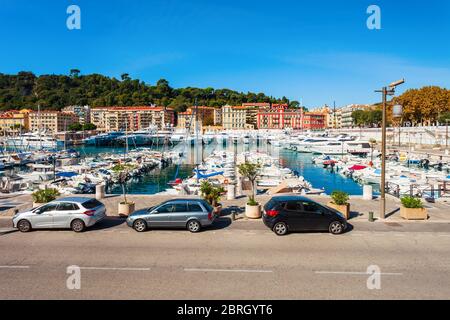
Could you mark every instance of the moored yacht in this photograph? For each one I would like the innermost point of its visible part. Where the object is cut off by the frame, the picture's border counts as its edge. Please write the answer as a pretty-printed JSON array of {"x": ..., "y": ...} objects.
[{"x": 32, "y": 141}]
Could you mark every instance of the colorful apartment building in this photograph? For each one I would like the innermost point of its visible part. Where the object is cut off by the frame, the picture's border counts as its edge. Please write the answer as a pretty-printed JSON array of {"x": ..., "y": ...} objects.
[
  {"x": 206, "y": 116},
  {"x": 132, "y": 118},
  {"x": 279, "y": 117},
  {"x": 52, "y": 121},
  {"x": 83, "y": 113},
  {"x": 15, "y": 121},
  {"x": 314, "y": 121},
  {"x": 235, "y": 118}
]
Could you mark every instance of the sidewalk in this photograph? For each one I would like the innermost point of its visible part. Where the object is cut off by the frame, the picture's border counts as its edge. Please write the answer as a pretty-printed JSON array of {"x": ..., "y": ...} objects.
[{"x": 439, "y": 212}]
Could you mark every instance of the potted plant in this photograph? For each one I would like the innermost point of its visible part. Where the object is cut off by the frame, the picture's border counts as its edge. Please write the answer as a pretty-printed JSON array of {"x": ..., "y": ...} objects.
[
  {"x": 212, "y": 195},
  {"x": 412, "y": 209},
  {"x": 251, "y": 171},
  {"x": 41, "y": 197},
  {"x": 339, "y": 202},
  {"x": 122, "y": 170}
]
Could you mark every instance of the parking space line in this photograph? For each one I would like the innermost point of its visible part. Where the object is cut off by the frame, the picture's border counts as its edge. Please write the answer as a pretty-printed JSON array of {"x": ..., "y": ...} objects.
[
  {"x": 228, "y": 270},
  {"x": 356, "y": 273},
  {"x": 114, "y": 269},
  {"x": 14, "y": 267}
]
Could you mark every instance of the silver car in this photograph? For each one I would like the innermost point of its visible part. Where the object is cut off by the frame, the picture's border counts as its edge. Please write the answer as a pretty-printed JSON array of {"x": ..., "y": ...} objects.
[
  {"x": 192, "y": 214},
  {"x": 74, "y": 213}
]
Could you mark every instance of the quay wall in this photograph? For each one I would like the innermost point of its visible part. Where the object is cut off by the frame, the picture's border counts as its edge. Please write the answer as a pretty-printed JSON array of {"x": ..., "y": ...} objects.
[{"x": 428, "y": 136}]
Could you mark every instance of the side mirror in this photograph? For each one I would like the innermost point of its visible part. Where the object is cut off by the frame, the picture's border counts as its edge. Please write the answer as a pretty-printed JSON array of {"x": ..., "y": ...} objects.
[{"x": 154, "y": 212}]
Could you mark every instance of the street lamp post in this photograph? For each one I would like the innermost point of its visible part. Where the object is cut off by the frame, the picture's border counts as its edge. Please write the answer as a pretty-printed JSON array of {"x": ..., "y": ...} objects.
[
  {"x": 446, "y": 134},
  {"x": 385, "y": 91}
]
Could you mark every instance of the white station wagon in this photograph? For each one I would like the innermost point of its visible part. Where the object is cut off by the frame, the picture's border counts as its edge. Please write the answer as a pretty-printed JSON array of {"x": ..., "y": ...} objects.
[{"x": 74, "y": 213}]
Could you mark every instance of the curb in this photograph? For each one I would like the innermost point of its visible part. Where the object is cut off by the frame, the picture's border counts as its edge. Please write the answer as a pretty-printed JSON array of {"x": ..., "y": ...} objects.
[{"x": 7, "y": 231}]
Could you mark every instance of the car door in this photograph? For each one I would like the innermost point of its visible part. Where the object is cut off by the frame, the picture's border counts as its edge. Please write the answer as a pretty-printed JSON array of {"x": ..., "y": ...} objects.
[
  {"x": 64, "y": 214},
  {"x": 43, "y": 217},
  {"x": 160, "y": 217},
  {"x": 179, "y": 215},
  {"x": 315, "y": 217},
  {"x": 295, "y": 217},
  {"x": 196, "y": 211}
]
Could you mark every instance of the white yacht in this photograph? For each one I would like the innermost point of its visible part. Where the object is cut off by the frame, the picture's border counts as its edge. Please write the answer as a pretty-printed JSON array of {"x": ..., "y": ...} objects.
[
  {"x": 342, "y": 147},
  {"x": 32, "y": 140}
]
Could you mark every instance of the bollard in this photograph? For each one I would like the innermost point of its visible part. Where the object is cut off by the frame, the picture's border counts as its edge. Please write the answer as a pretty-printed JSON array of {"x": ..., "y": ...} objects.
[
  {"x": 100, "y": 191},
  {"x": 231, "y": 192},
  {"x": 368, "y": 192},
  {"x": 371, "y": 219},
  {"x": 233, "y": 215}
]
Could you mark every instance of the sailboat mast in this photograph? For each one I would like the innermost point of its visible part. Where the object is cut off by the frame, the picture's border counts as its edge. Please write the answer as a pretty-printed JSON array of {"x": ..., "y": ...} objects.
[{"x": 39, "y": 125}]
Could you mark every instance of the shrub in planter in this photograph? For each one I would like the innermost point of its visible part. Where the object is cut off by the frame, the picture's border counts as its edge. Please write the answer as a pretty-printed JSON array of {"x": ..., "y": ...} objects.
[
  {"x": 251, "y": 172},
  {"x": 44, "y": 196},
  {"x": 212, "y": 195},
  {"x": 339, "y": 201},
  {"x": 123, "y": 174},
  {"x": 412, "y": 209}
]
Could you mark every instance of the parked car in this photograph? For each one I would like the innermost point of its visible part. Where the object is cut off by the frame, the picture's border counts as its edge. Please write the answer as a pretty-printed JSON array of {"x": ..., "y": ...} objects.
[
  {"x": 284, "y": 214},
  {"x": 192, "y": 214},
  {"x": 74, "y": 213}
]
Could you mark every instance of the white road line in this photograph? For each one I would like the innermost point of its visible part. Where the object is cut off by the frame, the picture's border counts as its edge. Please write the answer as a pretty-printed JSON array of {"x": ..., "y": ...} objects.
[
  {"x": 14, "y": 267},
  {"x": 114, "y": 269},
  {"x": 228, "y": 270},
  {"x": 357, "y": 273}
]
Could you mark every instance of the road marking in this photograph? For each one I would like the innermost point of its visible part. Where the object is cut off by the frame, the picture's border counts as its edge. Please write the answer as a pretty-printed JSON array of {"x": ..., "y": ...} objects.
[
  {"x": 114, "y": 269},
  {"x": 357, "y": 273},
  {"x": 228, "y": 270},
  {"x": 14, "y": 267}
]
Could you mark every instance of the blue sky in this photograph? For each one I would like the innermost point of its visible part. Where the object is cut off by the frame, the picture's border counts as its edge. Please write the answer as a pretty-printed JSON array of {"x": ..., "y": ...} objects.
[{"x": 313, "y": 51}]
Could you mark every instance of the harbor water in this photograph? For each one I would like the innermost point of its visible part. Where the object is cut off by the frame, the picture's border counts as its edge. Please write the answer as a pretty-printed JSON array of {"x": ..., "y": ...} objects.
[{"x": 157, "y": 180}]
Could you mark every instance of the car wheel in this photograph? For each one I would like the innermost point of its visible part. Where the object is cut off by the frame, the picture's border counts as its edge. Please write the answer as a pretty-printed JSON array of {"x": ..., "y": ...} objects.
[
  {"x": 24, "y": 226},
  {"x": 336, "y": 228},
  {"x": 194, "y": 226},
  {"x": 280, "y": 229},
  {"x": 78, "y": 226},
  {"x": 140, "y": 225}
]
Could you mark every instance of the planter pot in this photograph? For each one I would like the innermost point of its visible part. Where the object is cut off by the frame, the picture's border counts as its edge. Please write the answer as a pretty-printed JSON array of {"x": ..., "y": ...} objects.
[
  {"x": 37, "y": 204},
  {"x": 253, "y": 212},
  {"x": 125, "y": 209},
  {"x": 344, "y": 209},
  {"x": 414, "y": 214},
  {"x": 217, "y": 210}
]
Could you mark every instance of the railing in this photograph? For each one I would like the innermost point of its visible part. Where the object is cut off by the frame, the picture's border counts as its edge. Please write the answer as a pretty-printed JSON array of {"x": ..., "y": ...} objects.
[{"x": 415, "y": 190}]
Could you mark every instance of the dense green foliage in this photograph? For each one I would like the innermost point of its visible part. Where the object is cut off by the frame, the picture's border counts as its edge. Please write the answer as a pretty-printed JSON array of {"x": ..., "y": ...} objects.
[
  {"x": 82, "y": 127},
  {"x": 211, "y": 193},
  {"x": 367, "y": 118},
  {"x": 412, "y": 203},
  {"x": 53, "y": 92},
  {"x": 340, "y": 198},
  {"x": 45, "y": 196}
]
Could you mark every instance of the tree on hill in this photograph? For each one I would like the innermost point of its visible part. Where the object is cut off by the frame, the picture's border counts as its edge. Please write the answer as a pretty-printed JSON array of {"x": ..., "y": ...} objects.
[{"x": 54, "y": 92}]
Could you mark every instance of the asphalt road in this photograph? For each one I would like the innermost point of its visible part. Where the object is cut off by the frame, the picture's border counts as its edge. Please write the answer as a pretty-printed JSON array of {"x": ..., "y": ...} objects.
[{"x": 238, "y": 261}]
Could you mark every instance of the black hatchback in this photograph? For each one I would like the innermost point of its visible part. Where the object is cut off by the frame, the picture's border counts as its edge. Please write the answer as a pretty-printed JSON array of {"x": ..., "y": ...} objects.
[{"x": 284, "y": 214}]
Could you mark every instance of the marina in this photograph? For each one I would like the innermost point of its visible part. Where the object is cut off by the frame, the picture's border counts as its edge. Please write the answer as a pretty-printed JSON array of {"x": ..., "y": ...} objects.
[{"x": 175, "y": 162}]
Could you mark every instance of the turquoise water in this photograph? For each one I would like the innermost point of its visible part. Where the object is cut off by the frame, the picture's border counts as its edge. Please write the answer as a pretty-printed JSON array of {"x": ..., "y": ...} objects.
[{"x": 302, "y": 163}]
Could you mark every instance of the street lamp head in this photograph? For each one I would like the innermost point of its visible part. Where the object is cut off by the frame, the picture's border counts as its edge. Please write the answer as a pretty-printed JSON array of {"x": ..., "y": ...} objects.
[
  {"x": 396, "y": 83},
  {"x": 397, "y": 111}
]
